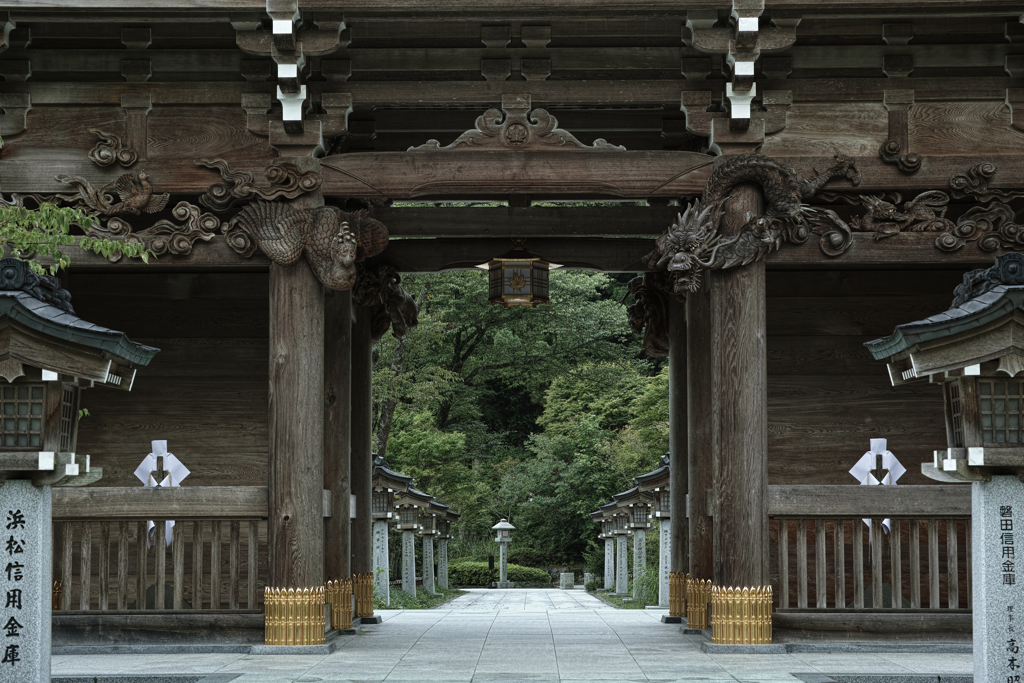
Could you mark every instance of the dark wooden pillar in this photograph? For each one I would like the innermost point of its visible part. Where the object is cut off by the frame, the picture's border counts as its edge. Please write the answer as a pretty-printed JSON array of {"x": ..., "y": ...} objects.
[
  {"x": 295, "y": 472},
  {"x": 295, "y": 524},
  {"x": 740, "y": 459},
  {"x": 337, "y": 420},
  {"x": 362, "y": 441},
  {"x": 701, "y": 413},
  {"x": 679, "y": 475}
]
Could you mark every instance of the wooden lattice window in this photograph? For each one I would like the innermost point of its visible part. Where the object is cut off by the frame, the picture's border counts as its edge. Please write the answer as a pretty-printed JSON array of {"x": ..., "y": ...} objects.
[
  {"x": 1002, "y": 409},
  {"x": 956, "y": 413},
  {"x": 408, "y": 516},
  {"x": 22, "y": 408},
  {"x": 68, "y": 403},
  {"x": 640, "y": 515},
  {"x": 380, "y": 503}
]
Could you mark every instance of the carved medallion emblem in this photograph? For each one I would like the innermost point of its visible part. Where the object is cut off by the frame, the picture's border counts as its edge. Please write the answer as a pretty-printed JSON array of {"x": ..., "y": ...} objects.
[{"x": 516, "y": 135}]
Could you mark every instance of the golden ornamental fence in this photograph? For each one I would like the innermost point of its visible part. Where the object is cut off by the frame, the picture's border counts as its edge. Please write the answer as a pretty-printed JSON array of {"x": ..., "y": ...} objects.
[
  {"x": 363, "y": 587},
  {"x": 294, "y": 616},
  {"x": 58, "y": 588},
  {"x": 339, "y": 596},
  {"x": 698, "y": 596},
  {"x": 741, "y": 616},
  {"x": 677, "y": 594}
]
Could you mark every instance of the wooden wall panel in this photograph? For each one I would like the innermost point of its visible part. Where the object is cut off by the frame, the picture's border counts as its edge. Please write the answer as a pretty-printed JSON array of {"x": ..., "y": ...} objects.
[
  {"x": 856, "y": 129},
  {"x": 205, "y": 392},
  {"x": 63, "y": 132},
  {"x": 176, "y": 132},
  {"x": 826, "y": 396}
]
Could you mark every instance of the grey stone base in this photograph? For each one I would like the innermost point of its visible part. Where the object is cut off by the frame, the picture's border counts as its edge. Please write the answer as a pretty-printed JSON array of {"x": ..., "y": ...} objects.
[
  {"x": 697, "y": 632},
  {"x": 883, "y": 678},
  {"x": 668, "y": 619},
  {"x": 363, "y": 621},
  {"x": 325, "y": 649},
  {"x": 717, "y": 649},
  {"x": 158, "y": 678},
  {"x": 179, "y": 648},
  {"x": 506, "y": 584},
  {"x": 920, "y": 648}
]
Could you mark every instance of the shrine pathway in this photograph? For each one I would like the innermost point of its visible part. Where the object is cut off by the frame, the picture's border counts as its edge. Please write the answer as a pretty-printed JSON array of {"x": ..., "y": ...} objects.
[{"x": 542, "y": 636}]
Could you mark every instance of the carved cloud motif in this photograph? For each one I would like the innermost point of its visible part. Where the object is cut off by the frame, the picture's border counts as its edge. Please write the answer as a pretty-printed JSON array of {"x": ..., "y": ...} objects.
[{"x": 516, "y": 128}]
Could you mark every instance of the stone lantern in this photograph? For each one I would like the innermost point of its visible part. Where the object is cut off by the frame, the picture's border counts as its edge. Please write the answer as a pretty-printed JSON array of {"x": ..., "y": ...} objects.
[
  {"x": 385, "y": 485},
  {"x": 657, "y": 482},
  {"x": 504, "y": 537},
  {"x": 975, "y": 351},
  {"x": 635, "y": 508},
  {"x": 409, "y": 505},
  {"x": 47, "y": 355}
]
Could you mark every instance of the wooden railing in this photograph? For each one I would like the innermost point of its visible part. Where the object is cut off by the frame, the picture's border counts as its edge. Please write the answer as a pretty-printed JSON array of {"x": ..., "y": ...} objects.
[
  {"x": 818, "y": 544},
  {"x": 216, "y": 560}
]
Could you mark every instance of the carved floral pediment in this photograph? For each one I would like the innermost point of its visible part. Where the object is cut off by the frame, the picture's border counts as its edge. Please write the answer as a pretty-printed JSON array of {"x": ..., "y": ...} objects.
[{"x": 516, "y": 128}]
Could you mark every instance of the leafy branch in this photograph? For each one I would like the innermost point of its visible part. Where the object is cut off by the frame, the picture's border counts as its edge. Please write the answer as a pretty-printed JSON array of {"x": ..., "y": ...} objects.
[{"x": 31, "y": 234}]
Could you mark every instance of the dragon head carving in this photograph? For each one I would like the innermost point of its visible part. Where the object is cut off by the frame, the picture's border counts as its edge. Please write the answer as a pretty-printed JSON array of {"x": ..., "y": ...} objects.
[{"x": 688, "y": 246}]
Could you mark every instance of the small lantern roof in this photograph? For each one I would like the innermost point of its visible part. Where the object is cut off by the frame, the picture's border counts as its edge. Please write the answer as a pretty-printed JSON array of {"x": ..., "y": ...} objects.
[
  {"x": 655, "y": 479},
  {"x": 414, "y": 498},
  {"x": 503, "y": 524},
  {"x": 33, "y": 304},
  {"x": 452, "y": 515},
  {"x": 985, "y": 323},
  {"x": 438, "y": 508},
  {"x": 632, "y": 497},
  {"x": 385, "y": 477}
]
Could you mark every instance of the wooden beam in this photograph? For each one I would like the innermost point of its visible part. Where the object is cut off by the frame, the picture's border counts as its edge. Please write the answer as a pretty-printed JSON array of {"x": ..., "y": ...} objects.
[
  {"x": 362, "y": 440},
  {"x": 679, "y": 461},
  {"x": 140, "y": 503},
  {"x": 537, "y": 221},
  {"x": 869, "y": 501}
]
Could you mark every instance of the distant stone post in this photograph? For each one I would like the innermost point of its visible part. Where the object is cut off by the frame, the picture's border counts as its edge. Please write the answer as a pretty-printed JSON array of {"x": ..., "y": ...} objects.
[
  {"x": 621, "y": 566},
  {"x": 504, "y": 529},
  {"x": 664, "y": 561},
  {"x": 428, "y": 564},
  {"x": 442, "y": 563},
  {"x": 609, "y": 563},
  {"x": 381, "y": 561},
  {"x": 409, "y": 562},
  {"x": 639, "y": 558}
]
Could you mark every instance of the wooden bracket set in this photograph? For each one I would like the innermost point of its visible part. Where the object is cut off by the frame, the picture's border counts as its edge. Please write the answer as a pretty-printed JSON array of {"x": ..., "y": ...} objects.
[
  {"x": 718, "y": 127},
  {"x": 533, "y": 65},
  {"x": 289, "y": 45}
]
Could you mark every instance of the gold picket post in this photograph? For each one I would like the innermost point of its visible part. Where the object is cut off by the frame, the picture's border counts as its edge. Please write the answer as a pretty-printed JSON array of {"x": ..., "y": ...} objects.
[
  {"x": 741, "y": 616},
  {"x": 58, "y": 588},
  {"x": 698, "y": 595},
  {"x": 677, "y": 594},
  {"x": 339, "y": 596},
  {"x": 363, "y": 586},
  {"x": 294, "y": 616}
]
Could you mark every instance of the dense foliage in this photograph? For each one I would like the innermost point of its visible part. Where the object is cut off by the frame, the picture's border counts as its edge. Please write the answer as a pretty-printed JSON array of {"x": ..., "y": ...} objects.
[{"x": 534, "y": 414}]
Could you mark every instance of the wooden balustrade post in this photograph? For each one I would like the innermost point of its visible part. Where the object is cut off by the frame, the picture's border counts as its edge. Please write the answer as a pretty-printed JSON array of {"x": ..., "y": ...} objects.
[
  {"x": 337, "y": 444},
  {"x": 296, "y": 418}
]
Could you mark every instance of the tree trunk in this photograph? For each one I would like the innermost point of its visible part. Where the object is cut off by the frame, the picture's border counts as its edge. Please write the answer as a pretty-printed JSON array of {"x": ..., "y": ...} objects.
[{"x": 387, "y": 409}]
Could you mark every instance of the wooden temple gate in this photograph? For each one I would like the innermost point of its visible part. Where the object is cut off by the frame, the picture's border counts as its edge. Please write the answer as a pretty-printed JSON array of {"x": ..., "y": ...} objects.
[{"x": 236, "y": 137}]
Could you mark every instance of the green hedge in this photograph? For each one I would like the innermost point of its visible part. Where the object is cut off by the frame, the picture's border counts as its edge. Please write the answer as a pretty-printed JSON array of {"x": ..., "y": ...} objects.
[{"x": 478, "y": 574}]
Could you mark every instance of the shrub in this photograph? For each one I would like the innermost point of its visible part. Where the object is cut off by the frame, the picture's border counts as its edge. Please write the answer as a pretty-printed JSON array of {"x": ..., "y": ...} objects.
[
  {"x": 471, "y": 574},
  {"x": 591, "y": 587},
  {"x": 479, "y": 574},
  {"x": 528, "y": 575}
]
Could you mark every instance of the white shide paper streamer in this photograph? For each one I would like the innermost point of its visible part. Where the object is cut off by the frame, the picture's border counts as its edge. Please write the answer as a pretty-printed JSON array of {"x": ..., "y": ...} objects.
[
  {"x": 862, "y": 471},
  {"x": 176, "y": 473}
]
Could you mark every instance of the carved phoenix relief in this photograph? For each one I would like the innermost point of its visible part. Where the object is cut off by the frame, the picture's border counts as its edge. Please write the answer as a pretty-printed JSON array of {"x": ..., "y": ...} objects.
[
  {"x": 332, "y": 240},
  {"x": 516, "y": 128}
]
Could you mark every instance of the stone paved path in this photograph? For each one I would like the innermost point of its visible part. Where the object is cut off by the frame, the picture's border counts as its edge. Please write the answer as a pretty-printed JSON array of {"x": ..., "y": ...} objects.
[{"x": 544, "y": 636}]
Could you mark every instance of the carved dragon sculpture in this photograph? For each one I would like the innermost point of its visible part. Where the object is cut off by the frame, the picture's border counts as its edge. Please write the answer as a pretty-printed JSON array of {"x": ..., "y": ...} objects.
[
  {"x": 332, "y": 240},
  {"x": 380, "y": 288},
  {"x": 693, "y": 243}
]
